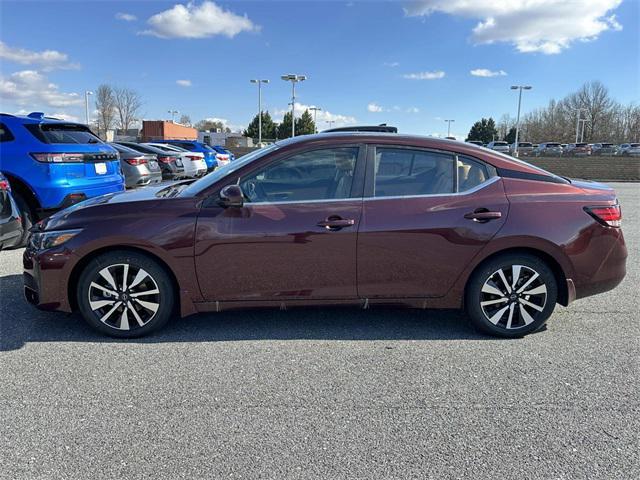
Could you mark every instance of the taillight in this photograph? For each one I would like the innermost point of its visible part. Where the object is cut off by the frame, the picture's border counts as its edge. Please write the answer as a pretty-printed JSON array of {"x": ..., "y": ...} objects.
[
  {"x": 193, "y": 157},
  {"x": 136, "y": 161},
  {"x": 58, "y": 157},
  {"x": 4, "y": 185},
  {"x": 165, "y": 159},
  {"x": 609, "y": 215}
]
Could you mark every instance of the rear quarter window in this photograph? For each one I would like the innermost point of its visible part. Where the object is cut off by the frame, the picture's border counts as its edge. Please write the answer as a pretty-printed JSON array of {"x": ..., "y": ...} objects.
[{"x": 5, "y": 134}]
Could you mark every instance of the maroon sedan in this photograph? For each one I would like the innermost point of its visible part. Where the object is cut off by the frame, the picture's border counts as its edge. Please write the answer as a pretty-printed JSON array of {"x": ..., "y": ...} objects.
[{"x": 336, "y": 218}]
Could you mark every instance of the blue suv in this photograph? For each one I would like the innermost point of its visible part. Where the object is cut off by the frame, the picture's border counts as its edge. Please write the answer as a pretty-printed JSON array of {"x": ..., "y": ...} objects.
[{"x": 52, "y": 164}]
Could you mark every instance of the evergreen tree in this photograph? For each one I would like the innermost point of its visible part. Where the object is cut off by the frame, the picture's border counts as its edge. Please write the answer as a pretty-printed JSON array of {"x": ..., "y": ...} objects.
[
  {"x": 284, "y": 128},
  {"x": 511, "y": 136},
  {"x": 484, "y": 130},
  {"x": 305, "y": 125},
  {"x": 268, "y": 127}
]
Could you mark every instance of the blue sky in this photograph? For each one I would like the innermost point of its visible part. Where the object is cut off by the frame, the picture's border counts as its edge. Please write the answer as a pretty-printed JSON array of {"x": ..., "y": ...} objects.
[{"x": 408, "y": 64}]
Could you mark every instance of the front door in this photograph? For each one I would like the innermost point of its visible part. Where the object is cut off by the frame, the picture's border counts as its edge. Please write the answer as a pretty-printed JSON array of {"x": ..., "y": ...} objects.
[
  {"x": 295, "y": 236},
  {"x": 425, "y": 216}
]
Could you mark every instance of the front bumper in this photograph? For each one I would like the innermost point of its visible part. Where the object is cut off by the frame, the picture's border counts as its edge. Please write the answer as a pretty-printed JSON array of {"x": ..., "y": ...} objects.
[{"x": 46, "y": 277}]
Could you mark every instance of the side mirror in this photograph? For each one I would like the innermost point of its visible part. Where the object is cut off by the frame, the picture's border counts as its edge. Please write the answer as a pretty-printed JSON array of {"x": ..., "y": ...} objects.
[{"x": 231, "y": 196}]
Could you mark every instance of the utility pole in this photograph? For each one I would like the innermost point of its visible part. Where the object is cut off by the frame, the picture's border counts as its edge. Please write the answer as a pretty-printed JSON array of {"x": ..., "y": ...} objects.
[
  {"x": 86, "y": 105},
  {"x": 293, "y": 78},
  {"x": 518, "y": 87},
  {"x": 578, "y": 122},
  {"x": 315, "y": 116},
  {"x": 449, "y": 127},
  {"x": 259, "y": 82}
]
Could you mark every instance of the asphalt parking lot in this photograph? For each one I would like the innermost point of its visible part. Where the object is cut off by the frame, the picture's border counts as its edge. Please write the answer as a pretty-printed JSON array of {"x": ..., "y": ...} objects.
[{"x": 324, "y": 393}]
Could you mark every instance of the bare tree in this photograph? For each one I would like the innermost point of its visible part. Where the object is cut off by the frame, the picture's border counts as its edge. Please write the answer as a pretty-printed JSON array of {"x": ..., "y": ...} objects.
[
  {"x": 185, "y": 120},
  {"x": 127, "y": 105},
  {"x": 106, "y": 107}
]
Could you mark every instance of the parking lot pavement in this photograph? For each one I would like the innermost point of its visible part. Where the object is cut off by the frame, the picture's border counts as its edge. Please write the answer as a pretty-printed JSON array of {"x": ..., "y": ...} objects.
[{"x": 324, "y": 393}]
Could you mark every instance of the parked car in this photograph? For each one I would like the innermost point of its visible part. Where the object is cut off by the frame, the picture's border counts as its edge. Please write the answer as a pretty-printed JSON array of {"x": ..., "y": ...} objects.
[
  {"x": 194, "y": 164},
  {"x": 139, "y": 169},
  {"x": 223, "y": 155},
  {"x": 11, "y": 231},
  {"x": 170, "y": 163},
  {"x": 194, "y": 146},
  {"x": 476, "y": 142},
  {"x": 602, "y": 149},
  {"x": 448, "y": 225},
  {"x": 548, "y": 149},
  {"x": 629, "y": 149},
  {"x": 577, "y": 150},
  {"x": 525, "y": 149},
  {"x": 53, "y": 164},
  {"x": 499, "y": 146}
]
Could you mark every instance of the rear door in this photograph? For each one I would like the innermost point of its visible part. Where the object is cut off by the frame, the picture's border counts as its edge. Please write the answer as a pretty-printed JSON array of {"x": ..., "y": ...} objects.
[
  {"x": 295, "y": 236},
  {"x": 426, "y": 214}
]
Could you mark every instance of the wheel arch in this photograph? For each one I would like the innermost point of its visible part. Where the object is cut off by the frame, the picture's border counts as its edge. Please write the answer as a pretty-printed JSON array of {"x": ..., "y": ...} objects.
[
  {"x": 554, "y": 264},
  {"x": 183, "y": 303},
  {"x": 22, "y": 188}
]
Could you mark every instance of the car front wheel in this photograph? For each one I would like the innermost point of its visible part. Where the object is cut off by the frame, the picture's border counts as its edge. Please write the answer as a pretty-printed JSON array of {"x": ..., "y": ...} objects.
[
  {"x": 125, "y": 294},
  {"x": 511, "y": 295}
]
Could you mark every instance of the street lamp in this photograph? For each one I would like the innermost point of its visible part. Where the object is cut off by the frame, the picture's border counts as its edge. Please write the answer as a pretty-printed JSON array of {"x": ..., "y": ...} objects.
[
  {"x": 173, "y": 114},
  {"x": 293, "y": 78},
  {"x": 86, "y": 105},
  {"x": 579, "y": 110},
  {"x": 259, "y": 82},
  {"x": 330, "y": 122},
  {"x": 315, "y": 116},
  {"x": 518, "y": 87},
  {"x": 449, "y": 127}
]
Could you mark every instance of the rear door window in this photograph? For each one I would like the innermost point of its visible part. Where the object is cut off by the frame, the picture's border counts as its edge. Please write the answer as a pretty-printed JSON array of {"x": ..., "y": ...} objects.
[
  {"x": 405, "y": 172},
  {"x": 471, "y": 173}
]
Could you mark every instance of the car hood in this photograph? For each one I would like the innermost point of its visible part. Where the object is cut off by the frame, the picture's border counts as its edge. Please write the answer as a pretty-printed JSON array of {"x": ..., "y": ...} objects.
[{"x": 74, "y": 215}]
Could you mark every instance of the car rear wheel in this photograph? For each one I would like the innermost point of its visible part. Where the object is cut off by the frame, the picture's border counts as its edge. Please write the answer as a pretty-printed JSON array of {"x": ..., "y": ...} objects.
[
  {"x": 125, "y": 294},
  {"x": 511, "y": 295}
]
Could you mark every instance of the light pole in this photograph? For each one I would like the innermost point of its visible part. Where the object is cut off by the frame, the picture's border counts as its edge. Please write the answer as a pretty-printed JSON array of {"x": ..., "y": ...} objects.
[
  {"x": 173, "y": 114},
  {"x": 583, "y": 121},
  {"x": 259, "y": 82},
  {"x": 579, "y": 110},
  {"x": 86, "y": 105},
  {"x": 330, "y": 122},
  {"x": 518, "y": 87},
  {"x": 293, "y": 78},
  {"x": 315, "y": 116},
  {"x": 449, "y": 127}
]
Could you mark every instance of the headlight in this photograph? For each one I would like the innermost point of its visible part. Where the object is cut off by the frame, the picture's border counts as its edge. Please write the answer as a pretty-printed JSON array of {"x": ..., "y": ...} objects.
[{"x": 45, "y": 240}]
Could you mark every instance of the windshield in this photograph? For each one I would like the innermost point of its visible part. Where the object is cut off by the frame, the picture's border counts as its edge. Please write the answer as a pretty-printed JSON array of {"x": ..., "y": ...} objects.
[
  {"x": 500, "y": 144},
  {"x": 227, "y": 169}
]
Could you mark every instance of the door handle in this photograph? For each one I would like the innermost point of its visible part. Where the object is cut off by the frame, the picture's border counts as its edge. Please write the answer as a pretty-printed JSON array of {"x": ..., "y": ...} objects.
[
  {"x": 482, "y": 215},
  {"x": 336, "y": 223}
]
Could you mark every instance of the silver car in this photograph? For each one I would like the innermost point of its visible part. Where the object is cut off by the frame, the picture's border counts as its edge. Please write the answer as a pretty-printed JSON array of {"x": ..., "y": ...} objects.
[
  {"x": 139, "y": 169},
  {"x": 194, "y": 164},
  {"x": 629, "y": 150},
  {"x": 548, "y": 149},
  {"x": 603, "y": 149},
  {"x": 498, "y": 146},
  {"x": 524, "y": 149}
]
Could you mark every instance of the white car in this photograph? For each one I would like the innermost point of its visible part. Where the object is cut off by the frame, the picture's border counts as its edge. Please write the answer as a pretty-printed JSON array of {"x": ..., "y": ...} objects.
[
  {"x": 498, "y": 146},
  {"x": 194, "y": 164}
]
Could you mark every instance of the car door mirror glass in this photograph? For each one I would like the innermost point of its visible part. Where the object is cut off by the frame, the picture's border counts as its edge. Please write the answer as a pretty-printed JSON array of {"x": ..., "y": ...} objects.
[{"x": 231, "y": 196}]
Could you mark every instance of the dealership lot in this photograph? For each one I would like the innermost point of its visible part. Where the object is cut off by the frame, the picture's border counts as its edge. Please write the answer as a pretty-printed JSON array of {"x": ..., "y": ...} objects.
[{"x": 324, "y": 393}]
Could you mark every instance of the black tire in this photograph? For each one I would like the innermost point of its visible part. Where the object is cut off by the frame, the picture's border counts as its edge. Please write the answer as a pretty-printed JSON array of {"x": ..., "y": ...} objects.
[
  {"x": 28, "y": 217},
  {"x": 502, "y": 315},
  {"x": 139, "y": 319}
]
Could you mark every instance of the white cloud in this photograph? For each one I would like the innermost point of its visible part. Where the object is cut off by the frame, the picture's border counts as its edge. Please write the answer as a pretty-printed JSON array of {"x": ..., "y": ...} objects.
[
  {"x": 374, "y": 107},
  {"x": 184, "y": 83},
  {"x": 46, "y": 59},
  {"x": 391, "y": 64},
  {"x": 547, "y": 26},
  {"x": 127, "y": 17},
  {"x": 198, "y": 21},
  {"x": 425, "y": 75},
  {"x": 233, "y": 126},
  {"x": 485, "y": 72},
  {"x": 323, "y": 116},
  {"x": 413, "y": 110},
  {"x": 65, "y": 116},
  {"x": 32, "y": 89}
]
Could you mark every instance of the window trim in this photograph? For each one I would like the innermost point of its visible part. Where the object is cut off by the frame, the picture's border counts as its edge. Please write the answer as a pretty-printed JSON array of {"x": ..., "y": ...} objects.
[{"x": 357, "y": 186}]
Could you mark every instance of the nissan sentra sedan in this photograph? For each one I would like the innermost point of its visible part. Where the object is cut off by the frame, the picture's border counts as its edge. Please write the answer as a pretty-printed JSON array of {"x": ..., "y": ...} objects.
[{"x": 360, "y": 219}]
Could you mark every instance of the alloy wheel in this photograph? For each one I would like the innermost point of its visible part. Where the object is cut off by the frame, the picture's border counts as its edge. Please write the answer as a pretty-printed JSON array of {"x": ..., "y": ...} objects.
[
  {"x": 124, "y": 297},
  {"x": 514, "y": 297}
]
